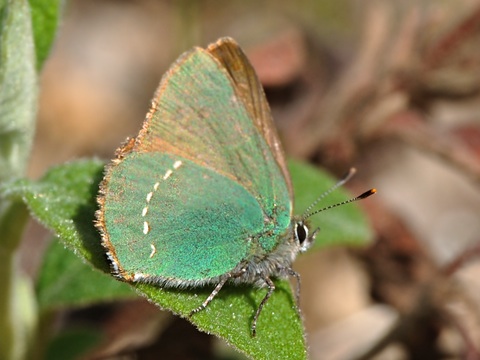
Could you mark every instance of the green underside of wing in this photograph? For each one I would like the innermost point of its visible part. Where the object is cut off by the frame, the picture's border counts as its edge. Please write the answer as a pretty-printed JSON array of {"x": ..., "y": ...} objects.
[
  {"x": 198, "y": 116},
  {"x": 199, "y": 222}
]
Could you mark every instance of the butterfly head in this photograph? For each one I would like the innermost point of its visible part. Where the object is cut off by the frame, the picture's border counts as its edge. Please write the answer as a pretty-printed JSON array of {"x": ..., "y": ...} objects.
[{"x": 303, "y": 236}]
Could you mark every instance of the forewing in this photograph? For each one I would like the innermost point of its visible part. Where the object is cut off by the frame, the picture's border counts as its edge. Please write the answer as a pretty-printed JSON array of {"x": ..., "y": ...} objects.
[
  {"x": 198, "y": 114},
  {"x": 249, "y": 89}
]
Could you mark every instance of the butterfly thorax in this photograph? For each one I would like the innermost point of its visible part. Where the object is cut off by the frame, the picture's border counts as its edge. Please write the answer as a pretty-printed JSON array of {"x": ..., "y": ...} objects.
[{"x": 278, "y": 262}]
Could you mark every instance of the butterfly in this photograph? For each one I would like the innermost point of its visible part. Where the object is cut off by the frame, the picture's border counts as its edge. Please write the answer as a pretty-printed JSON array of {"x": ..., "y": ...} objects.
[{"x": 202, "y": 196}]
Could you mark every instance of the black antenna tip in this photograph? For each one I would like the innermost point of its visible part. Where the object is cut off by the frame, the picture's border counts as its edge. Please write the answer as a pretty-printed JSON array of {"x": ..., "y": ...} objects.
[{"x": 366, "y": 194}]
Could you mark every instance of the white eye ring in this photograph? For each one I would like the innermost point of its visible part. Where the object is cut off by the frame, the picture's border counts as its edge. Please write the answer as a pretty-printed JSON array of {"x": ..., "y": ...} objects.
[{"x": 301, "y": 232}]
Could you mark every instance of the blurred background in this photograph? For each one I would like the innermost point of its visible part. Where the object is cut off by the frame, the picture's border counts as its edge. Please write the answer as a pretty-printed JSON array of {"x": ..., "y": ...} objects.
[{"x": 392, "y": 88}]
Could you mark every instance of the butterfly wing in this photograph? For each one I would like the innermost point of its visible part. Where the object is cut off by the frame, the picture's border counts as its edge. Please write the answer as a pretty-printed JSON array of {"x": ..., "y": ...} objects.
[
  {"x": 199, "y": 118},
  {"x": 170, "y": 219},
  {"x": 201, "y": 114},
  {"x": 248, "y": 88}
]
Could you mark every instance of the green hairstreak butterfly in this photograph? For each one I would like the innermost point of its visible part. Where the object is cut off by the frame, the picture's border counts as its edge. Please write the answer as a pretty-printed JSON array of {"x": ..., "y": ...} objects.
[{"x": 203, "y": 195}]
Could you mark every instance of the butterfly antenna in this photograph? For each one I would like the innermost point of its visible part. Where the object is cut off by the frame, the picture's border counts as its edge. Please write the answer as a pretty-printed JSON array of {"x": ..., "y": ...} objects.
[
  {"x": 356, "y": 198},
  {"x": 341, "y": 182}
]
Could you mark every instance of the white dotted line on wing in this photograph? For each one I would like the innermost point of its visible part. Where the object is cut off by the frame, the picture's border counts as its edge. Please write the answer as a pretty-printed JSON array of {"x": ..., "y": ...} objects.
[
  {"x": 168, "y": 173},
  {"x": 148, "y": 198}
]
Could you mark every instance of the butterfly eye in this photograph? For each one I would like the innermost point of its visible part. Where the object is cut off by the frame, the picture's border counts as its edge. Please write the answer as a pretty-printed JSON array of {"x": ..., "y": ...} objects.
[
  {"x": 301, "y": 232},
  {"x": 303, "y": 236}
]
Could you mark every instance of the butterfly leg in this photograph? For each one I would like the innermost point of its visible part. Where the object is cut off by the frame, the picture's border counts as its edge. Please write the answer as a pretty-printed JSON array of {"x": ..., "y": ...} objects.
[
  {"x": 296, "y": 275},
  {"x": 211, "y": 296},
  {"x": 217, "y": 290},
  {"x": 271, "y": 289}
]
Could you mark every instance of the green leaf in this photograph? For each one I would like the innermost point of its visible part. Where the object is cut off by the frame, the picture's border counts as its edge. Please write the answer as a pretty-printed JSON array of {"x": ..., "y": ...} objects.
[
  {"x": 18, "y": 88},
  {"x": 64, "y": 200},
  {"x": 230, "y": 314},
  {"x": 45, "y": 14},
  {"x": 66, "y": 281}
]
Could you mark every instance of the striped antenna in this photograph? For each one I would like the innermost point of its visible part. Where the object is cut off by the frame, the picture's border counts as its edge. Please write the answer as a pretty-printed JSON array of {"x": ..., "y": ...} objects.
[
  {"x": 356, "y": 198},
  {"x": 341, "y": 182}
]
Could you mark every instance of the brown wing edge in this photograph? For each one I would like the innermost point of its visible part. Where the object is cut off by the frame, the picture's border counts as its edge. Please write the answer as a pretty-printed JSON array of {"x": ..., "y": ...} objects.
[
  {"x": 99, "y": 222},
  {"x": 248, "y": 87}
]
